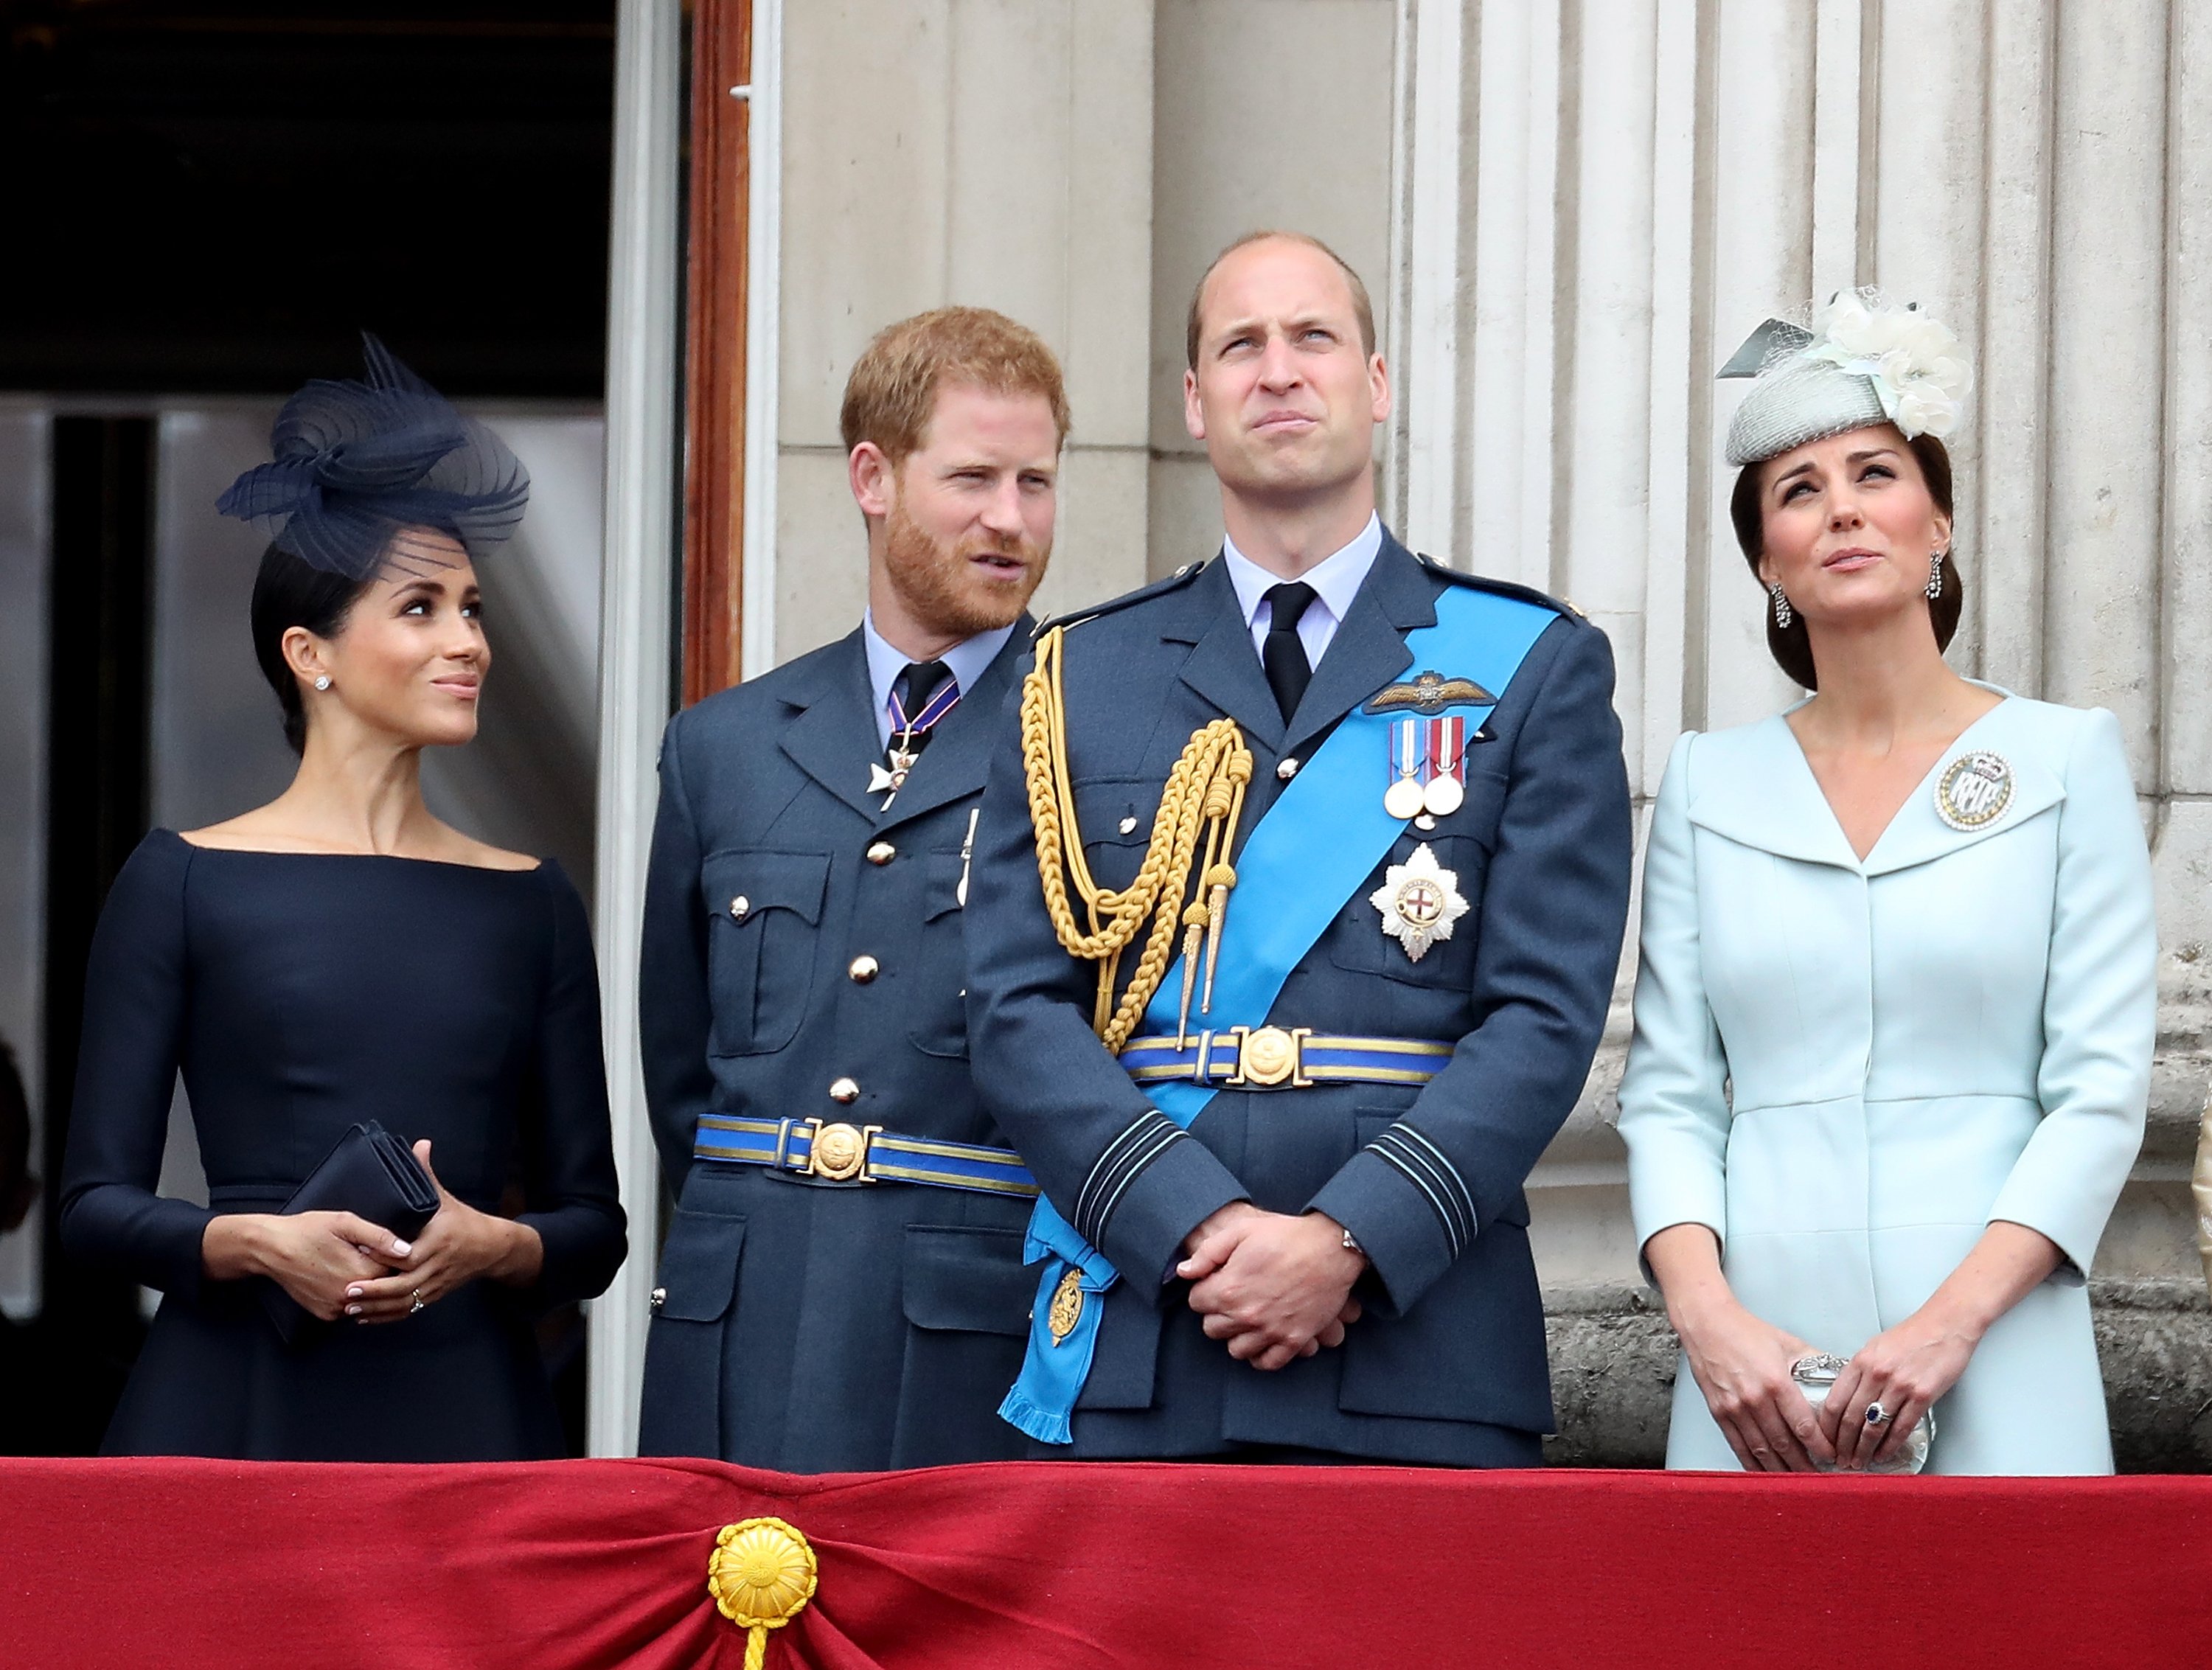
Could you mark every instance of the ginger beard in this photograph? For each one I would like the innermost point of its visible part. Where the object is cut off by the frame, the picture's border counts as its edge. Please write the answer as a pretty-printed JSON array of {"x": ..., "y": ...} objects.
[{"x": 974, "y": 582}]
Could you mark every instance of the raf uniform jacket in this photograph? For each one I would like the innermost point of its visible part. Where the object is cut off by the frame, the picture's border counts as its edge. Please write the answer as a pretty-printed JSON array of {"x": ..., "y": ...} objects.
[
  {"x": 1448, "y": 1365},
  {"x": 801, "y": 1324}
]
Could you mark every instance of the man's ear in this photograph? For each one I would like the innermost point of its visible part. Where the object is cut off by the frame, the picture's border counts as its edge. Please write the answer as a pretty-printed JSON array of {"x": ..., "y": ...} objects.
[
  {"x": 1193, "y": 415},
  {"x": 873, "y": 479},
  {"x": 1378, "y": 385}
]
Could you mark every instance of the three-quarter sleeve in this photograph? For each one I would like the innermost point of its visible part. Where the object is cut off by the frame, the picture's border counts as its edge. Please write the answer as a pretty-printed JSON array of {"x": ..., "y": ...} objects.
[
  {"x": 1674, "y": 1108},
  {"x": 2099, "y": 1007},
  {"x": 569, "y": 1190},
  {"x": 137, "y": 989}
]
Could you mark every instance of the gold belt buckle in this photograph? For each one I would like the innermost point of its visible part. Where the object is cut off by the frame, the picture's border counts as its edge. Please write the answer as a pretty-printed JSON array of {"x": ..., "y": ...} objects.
[
  {"x": 839, "y": 1153},
  {"x": 1267, "y": 1056}
]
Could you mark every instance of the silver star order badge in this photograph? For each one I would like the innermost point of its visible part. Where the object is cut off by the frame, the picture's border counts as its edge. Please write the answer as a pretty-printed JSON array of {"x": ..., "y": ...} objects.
[
  {"x": 1419, "y": 900},
  {"x": 890, "y": 779}
]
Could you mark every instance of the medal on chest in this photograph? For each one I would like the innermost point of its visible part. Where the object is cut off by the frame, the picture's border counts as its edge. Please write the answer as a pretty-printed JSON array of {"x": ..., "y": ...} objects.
[
  {"x": 888, "y": 779},
  {"x": 1428, "y": 767},
  {"x": 1974, "y": 791},
  {"x": 1419, "y": 901}
]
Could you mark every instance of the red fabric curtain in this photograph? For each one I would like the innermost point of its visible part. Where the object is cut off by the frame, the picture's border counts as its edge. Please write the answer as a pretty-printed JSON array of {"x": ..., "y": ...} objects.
[{"x": 571, "y": 1565}]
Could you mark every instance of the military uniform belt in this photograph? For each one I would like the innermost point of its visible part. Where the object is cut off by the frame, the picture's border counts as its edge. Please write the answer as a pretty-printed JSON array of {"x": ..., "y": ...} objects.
[
  {"x": 840, "y": 1153},
  {"x": 1270, "y": 1058}
]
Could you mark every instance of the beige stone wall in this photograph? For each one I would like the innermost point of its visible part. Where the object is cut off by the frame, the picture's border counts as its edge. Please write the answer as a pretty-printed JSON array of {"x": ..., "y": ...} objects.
[{"x": 1073, "y": 163}]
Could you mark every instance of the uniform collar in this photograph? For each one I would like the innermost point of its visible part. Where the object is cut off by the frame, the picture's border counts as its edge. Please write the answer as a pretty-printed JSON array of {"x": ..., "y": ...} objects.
[
  {"x": 1335, "y": 578},
  {"x": 966, "y": 660}
]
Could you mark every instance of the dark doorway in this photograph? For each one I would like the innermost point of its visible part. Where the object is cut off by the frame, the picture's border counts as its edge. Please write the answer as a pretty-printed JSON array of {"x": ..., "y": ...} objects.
[{"x": 220, "y": 198}]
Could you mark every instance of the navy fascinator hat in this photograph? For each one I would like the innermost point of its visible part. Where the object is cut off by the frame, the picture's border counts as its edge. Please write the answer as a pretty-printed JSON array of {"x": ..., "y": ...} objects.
[{"x": 357, "y": 464}]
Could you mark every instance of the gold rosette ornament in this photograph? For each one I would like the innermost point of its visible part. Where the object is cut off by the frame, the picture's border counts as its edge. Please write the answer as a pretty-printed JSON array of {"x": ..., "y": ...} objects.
[{"x": 762, "y": 1574}]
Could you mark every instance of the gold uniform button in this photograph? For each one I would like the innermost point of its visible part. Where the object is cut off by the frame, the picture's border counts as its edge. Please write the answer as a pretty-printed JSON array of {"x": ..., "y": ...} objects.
[
  {"x": 1287, "y": 769},
  {"x": 864, "y": 970},
  {"x": 844, "y": 1090},
  {"x": 740, "y": 907},
  {"x": 660, "y": 1297},
  {"x": 882, "y": 853}
]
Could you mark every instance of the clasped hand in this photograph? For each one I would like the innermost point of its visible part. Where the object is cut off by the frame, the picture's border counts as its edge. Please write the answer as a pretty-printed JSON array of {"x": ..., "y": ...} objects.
[
  {"x": 338, "y": 1264},
  {"x": 1271, "y": 1287}
]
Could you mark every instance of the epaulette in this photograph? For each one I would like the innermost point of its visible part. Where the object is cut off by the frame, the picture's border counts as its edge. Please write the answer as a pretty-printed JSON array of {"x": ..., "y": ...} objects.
[
  {"x": 1504, "y": 588},
  {"x": 1179, "y": 578}
]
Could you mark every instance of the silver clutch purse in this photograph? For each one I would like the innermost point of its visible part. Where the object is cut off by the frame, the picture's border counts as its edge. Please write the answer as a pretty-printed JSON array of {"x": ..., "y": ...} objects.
[{"x": 1816, "y": 1377}]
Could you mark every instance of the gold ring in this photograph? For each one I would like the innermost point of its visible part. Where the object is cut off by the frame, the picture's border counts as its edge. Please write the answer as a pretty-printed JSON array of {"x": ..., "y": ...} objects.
[{"x": 416, "y": 1300}]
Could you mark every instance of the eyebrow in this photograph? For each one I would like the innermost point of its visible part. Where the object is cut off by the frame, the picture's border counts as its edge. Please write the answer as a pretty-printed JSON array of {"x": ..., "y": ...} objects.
[{"x": 1852, "y": 457}]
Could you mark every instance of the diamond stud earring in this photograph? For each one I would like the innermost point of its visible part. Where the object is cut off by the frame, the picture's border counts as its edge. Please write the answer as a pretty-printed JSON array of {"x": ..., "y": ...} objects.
[{"x": 1783, "y": 614}]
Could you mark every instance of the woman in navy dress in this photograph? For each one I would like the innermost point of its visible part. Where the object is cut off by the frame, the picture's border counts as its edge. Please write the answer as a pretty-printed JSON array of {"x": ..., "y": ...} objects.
[{"x": 339, "y": 956}]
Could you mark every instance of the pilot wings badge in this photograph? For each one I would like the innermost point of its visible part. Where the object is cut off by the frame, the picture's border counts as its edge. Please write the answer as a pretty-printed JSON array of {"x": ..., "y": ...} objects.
[
  {"x": 1429, "y": 693},
  {"x": 1419, "y": 900}
]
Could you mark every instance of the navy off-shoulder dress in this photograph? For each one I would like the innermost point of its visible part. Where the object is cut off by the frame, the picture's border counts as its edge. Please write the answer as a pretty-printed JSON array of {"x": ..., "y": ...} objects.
[{"x": 299, "y": 994}]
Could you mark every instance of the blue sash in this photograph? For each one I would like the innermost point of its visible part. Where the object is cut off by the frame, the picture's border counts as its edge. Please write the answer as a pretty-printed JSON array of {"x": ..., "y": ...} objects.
[{"x": 1317, "y": 845}]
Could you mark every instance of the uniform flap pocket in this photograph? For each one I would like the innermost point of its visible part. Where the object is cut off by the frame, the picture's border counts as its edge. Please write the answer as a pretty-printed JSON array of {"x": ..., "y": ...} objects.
[
  {"x": 699, "y": 1266},
  {"x": 940, "y": 885},
  {"x": 1118, "y": 811},
  {"x": 970, "y": 1280},
  {"x": 741, "y": 885}
]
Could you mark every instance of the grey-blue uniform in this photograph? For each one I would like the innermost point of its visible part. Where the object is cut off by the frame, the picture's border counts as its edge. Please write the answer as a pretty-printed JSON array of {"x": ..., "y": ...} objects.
[
  {"x": 1448, "y": 1365},
  {"x": 800, "y": 988}
]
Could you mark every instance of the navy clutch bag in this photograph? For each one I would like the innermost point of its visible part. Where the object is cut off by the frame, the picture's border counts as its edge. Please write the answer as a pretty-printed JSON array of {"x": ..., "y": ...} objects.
[{"x": 371, "y": 1174}]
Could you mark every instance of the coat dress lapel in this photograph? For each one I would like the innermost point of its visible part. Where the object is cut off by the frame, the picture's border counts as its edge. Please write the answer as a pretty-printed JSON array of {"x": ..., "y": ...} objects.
[{"x": 1754, "y": 787}]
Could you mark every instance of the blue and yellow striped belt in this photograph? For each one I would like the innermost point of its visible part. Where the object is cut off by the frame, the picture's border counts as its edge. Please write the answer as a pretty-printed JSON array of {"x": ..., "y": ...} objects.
[
  {"x": 840, "y": 1153},
  {"x": 1277, "y": 1058}
]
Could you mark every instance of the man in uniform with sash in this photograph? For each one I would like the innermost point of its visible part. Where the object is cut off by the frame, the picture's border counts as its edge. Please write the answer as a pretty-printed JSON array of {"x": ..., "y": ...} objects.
[
  {"x": 1298, "y": 904},
  {"x": 842, "y": 1285}
]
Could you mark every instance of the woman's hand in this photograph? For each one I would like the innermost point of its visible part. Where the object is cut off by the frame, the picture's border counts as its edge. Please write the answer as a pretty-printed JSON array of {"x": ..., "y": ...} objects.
[
  {"x": 315, "y": 1256},
  {"x": 1743, "y": 1366},
  {"x": 459, "y": 1245},
  {"x": 1905, "y": 1369},
  {"x": 1739, "y": 1363}
]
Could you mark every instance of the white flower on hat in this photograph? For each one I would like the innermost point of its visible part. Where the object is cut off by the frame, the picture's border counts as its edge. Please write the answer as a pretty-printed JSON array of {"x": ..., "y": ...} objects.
[{"x": 1917, "y": 368}]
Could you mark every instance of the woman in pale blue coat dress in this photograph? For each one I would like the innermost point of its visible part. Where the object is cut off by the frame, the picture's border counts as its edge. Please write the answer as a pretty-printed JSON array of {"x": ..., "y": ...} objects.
[{"x": 1895, "y": 1009}]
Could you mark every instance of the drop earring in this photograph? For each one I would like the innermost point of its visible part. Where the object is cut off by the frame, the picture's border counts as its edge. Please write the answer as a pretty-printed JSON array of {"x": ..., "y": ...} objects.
[
  {"x": 322, "y": 681},
  {"x": 1783, "y": 614},
  {"x": 1934, "y": 576}
]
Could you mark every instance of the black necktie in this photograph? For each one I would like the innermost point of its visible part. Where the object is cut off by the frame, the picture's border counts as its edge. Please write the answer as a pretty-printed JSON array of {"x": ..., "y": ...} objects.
[
  {"x": 912, "y": 690},
  {"x": 1283, "y": 655}
]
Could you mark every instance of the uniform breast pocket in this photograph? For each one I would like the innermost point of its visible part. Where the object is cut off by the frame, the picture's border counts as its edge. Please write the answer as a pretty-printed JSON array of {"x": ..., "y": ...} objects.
[
  {"x": 938, "y": 1004},
  {"x": 1435, "y": 906},
  {"x": 1116, "y": 814},
  {"x": 764, "y": 910}
]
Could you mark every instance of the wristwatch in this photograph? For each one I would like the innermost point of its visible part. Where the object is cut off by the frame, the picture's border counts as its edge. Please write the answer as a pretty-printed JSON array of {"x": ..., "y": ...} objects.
[{"x": 1352, "y": 1244}]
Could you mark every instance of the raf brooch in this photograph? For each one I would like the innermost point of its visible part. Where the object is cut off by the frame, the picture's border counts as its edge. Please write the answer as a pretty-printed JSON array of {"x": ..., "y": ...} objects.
[
  {"x": 1419, "y": 900},
  {"x": 1974, "y": 791}
]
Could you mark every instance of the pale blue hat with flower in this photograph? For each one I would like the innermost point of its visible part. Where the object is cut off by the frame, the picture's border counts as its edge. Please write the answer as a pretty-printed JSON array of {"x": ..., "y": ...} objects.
[{"x": 1863, "y": 360}]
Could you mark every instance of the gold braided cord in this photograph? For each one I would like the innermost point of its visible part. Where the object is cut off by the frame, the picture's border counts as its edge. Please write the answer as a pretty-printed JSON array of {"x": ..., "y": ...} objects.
[{"x": 1203, "y": 800}]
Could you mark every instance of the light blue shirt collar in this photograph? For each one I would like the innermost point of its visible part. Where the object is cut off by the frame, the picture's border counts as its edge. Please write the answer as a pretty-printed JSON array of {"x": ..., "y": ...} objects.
[
  {"x": 967, "y": 659},
  {"x": 1336, "y": 580}
]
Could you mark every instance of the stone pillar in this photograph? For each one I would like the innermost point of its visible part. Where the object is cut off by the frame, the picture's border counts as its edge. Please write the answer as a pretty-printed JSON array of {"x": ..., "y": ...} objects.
[{"x": 992, "y": 153}]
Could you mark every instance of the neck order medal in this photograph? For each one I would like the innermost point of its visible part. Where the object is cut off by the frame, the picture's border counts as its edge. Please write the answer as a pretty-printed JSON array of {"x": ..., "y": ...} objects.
[{"x": 1419, "y": 901}]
